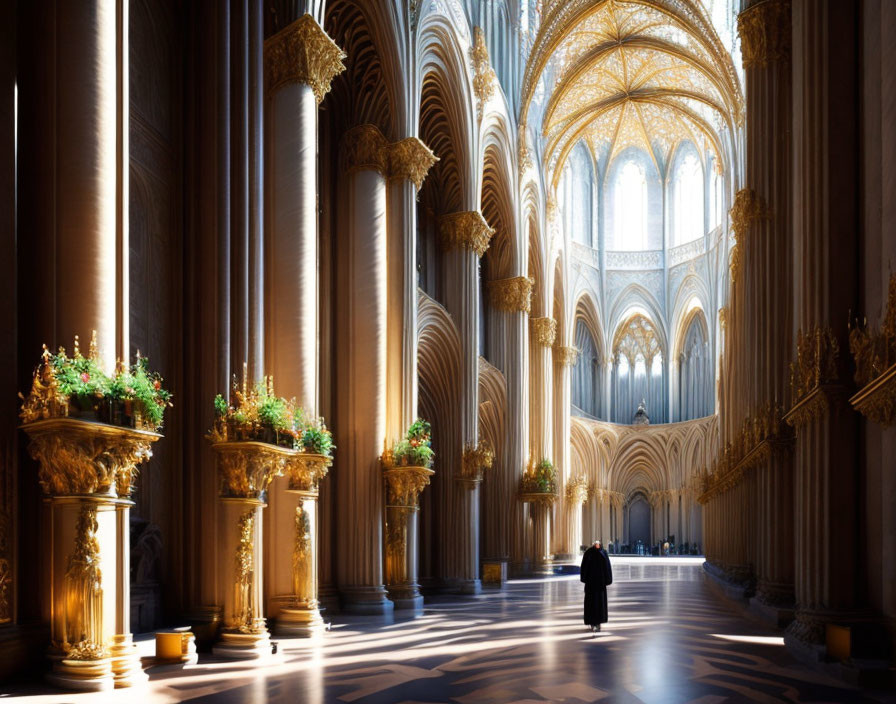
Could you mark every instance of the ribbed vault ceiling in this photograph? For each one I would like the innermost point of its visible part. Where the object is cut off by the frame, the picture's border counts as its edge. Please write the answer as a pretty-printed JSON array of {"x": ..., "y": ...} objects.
[{"x": 623, "y": 73}]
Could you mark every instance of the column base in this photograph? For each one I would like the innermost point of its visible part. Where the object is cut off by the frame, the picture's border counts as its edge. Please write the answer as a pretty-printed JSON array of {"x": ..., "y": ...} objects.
[
  {"x": 126, "y": 668},
  {"x": 299, "y": 622},
  {"x": 83, "y": 675},
  {"x": 205, "y": 624},
  {"x": 777, "y": 616},
  {"x": 366, "y": 601},
  {"x": 774, "y": 603},
  {"x": 243, "y": 646},
  {"x": 406, "y": 597},
  {"x": 469, "y": 586}
]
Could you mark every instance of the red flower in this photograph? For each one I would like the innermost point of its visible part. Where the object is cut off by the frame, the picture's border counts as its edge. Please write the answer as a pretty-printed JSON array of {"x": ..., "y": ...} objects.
[
  {"x": 85, "y": 377},
  {"x": 157, "y": 384}
]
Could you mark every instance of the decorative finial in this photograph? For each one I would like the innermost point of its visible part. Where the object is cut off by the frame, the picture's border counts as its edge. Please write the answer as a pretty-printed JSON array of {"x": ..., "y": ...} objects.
[
  {"x": 77, "y": 352},
  {"x": 92, "y": 352}
]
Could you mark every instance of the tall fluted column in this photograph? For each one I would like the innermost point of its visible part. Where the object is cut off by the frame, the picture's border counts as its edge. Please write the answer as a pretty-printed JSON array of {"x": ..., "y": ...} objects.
[
  {"x": 576, "y": 493},
  {"x": 465, "y": 238},
  {"x": 566, "y": 544},
  {"x": 762, "y": 215},
  {"x": 300, "y": 62},
  {"x": 543, "y": 335},
  {"x": 512, "y": 300},
  {"x": 825, "y": 218},
  {"x": 361, "y": 372}
]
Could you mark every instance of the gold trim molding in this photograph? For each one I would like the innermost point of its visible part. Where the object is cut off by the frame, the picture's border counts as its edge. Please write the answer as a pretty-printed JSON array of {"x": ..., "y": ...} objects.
[
  {"x": 545, "y": 331},
  {"x": 302, "y": 53},
  {"x": 410, "y": 160},
  {"x": 304, "y": 472},
  {"x": 512, "y": 295},
  {"x": 466, "y": 230},
  {"x": 246, "y": 468},
  {"x": 813, "y": 376},
  {"x": 875, "y": 358},
  {"x": 764, "y": 30}
]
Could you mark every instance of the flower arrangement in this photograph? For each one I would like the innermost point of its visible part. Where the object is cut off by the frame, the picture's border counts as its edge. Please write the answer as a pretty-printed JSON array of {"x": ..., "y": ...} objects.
[
  {"x": 257, "y": 414},
  {"x": 540, "y": 478},
  {"x": 414, "y": 450},
  {"x": 78, "y": 387}
]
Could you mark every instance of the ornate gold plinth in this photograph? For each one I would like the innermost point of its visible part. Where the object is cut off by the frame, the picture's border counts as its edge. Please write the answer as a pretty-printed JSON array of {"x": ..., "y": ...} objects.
[
  {"x": 403, "y": 488},
  {"x": 542, "y": 508},
  {"x": 87, "y": 472},
  {"x": 245, "y": 470},
  {"x": 302, "y": 616}
]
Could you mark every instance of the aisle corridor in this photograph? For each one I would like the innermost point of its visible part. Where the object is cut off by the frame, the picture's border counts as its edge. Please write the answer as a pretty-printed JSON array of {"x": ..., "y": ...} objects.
[{"x": 670, "y": 639}]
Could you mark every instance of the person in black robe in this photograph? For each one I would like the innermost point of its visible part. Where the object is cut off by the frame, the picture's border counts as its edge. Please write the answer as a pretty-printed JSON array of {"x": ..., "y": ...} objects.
[{"x": 597, "y": 575}]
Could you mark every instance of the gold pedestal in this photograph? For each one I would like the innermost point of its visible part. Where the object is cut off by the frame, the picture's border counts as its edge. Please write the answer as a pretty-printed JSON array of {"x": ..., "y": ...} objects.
[
  {"x": 245, "y": 470},
  {"x": 403, "y": 487},
  {"x": 86, "y": 471},
  {"x": 302, "y": 616}
]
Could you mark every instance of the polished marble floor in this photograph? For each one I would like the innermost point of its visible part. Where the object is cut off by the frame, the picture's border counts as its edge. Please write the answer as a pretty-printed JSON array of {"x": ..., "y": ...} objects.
[{"x": 669, "y": 639}]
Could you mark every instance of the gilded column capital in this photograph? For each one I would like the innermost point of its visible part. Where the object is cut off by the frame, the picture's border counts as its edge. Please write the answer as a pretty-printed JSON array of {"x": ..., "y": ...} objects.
[
  {"x": 364, "y": 148},
  {"x": 305, "y": 470},
  {"x": 475, "y": 460},
  {"x": 566, "y": 356},
  {"x": 246, "y": 468},
  {"x": 764, "y": 29},
  {"x": 302, "y": 53},
  {"x": 80, "y": 457},
  {"x": 545, "y": 331},
  {"x": 410, "y": 160},
  {"x": 405, "y": 484},
  {"x": 512, "y": 295},
  {"x": 748, "y": 208},
  {"x": 577, "y": 490},
  {"x": 466, "y": 230}
]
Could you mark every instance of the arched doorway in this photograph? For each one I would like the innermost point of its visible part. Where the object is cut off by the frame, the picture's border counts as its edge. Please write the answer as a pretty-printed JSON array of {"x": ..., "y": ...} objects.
[{"x": 639, "y": 522}]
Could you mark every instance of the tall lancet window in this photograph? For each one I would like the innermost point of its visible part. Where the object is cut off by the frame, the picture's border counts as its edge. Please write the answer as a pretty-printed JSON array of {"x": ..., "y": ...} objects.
[
  {"x": 587, "y": 389},
  {"x": 696, "y": 383},
  {"x": 630, "y": 206},
  {"x": 638, "y": 371},
  {"x": 687, "y": 201}
]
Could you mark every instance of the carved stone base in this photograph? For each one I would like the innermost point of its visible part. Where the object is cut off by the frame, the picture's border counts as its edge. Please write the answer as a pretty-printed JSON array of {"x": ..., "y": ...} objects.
[
  {"x": 469, "y": 586},
  {"x": 126, "y": 667},
  {"x": 778, "y": 616},
  {"x": 83, "y": 675},
  {"x": 299, "y": 622},
  {"x": 406, "y": 597},
  {"x": 243, "y": 646}
]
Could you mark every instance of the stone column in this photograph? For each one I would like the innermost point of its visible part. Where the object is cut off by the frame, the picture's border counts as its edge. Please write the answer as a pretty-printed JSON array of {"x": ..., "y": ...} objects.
[
  {"x": 300, "y": 62},
  {"x": 86, "y": 473},
  {"x": 576, "y": 495},
  {"x": 565, "y": 547},
  {"x": 465, "y": 238},
  {"x": 361, "y": 372},
  {"x": 543, "y": 335},
  {"x": 825, "y": 217},
  {"x": 512, "y": 300},
  {"x": 761, "y": 219}
]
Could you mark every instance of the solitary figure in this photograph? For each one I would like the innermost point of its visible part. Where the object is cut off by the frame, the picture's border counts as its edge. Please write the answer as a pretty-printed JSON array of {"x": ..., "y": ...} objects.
[{"x": 597, "y": 574}]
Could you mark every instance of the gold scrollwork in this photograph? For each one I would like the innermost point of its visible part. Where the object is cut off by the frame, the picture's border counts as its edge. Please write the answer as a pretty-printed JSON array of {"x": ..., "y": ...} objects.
[
  {"x": 764, "y": 31},
  {"x": 410, "y": 160},
  {"x": 305, "y": 471},
  {"x": 484, "y": 78},
  {"x": 748, "y": 208},
  {"x": 577, "y": 490},
  {"x": 476, "y": 459},
  {"x": 465, "y": 230},
  {"x": 83, "y": 592},
  {"x": 302, "y": 553},
  {"x": 545, "y": 331},
  {"x": 511, "y": 295},
  {"x": 79, "y": 457},
  {"x": 813, "y": 374},
  {"x": 303, "y": 53},
  {"x": 405, "y": 484},
  {"x": 875, "y": 357},
  {"x": 244, "y": 619}
]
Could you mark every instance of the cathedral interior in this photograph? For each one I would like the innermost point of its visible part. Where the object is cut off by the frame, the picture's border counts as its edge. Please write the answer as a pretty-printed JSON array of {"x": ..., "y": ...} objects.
[{"x": 385, "y": 310}]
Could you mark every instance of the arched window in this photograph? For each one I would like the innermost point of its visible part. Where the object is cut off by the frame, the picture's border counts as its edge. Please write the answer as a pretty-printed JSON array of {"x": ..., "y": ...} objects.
[
  {"x": 577, "y": 196},
  {"x": 638, "y": 373},
  {"x": 688, "y": 201},
  {"x": 696, "y": 385},
  {"x": 586, "y": 374},
  {"x": 630, "y": 206},
  {"x": 715, "y": 203}
]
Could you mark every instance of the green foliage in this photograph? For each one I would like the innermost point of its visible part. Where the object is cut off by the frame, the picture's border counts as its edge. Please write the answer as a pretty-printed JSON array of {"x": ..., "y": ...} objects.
[
  {"x": 415, "y": 450},
  {"x": 221, "y": 406},
  {"x": 540, "y": 478},
  {"x": 316, "y": 439}
]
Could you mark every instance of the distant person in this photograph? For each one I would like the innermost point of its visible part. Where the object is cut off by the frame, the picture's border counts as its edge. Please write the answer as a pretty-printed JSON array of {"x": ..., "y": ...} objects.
[{"x": 597, "y": 575}]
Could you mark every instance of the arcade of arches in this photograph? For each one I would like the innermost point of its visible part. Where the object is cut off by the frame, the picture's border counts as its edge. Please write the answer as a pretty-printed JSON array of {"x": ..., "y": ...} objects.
[{"x": 629, "y": 258}]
